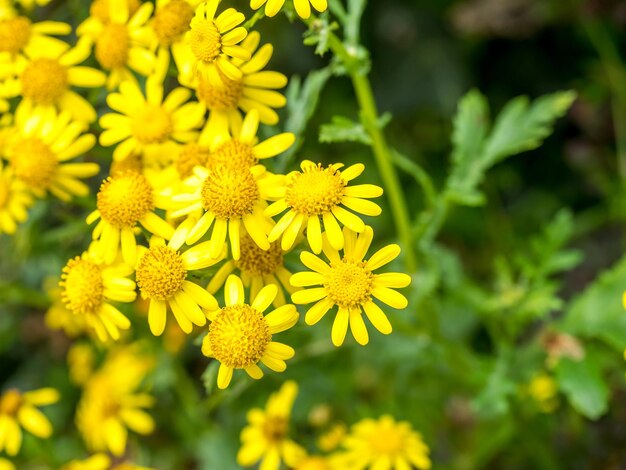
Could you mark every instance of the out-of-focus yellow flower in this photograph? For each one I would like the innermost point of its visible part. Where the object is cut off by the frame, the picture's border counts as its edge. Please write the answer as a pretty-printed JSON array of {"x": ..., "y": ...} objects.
[
  {"x": 383, "y": 443},
  {"x": 316, "y": 192},
  {"x": 151, "y": 126},
  {"x": 6, "y": 464},
  {"x": 543, "y": 389},
  {"x": 39, "y": 151},
  {"x": 122, "y": 39},
  {"x": 88, "y": 286},
  {"x": 112, "y": 404},
  {"x": 58, "y": 316},
  {"x": 332, "y": 438},
  {"x": 29, "y": 4},
  {"x": 303, "y": 7},
  {"x": 15, "y": 200},
  {"x": 80, "y": 361},
  {"x": 100, "y": 462},
  {"x": 313, "y": 462},
  {"x": 266, "y": 438},
  {"x": 162, "y": 277},
  {"x": 349, "y": 283},
  {"x": 240, "y": 335},
  {"x": 19, "y": 410}
]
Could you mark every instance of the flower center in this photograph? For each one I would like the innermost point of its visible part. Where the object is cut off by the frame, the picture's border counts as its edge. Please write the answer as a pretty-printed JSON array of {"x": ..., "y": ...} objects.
[
  {"x": 238, "y": 336},
  {"x": 100, "y": 9},
  {"x": 14, "y": 34},
  {"x": 171, "y": 21},
  {"x": 124, "y": 199},
  {"x": 83, "y": 285},
  {"x": 256, "y": 261},
  {"x": 10, "y": 402},
  {"x": 391, "y": 445},
  {"x": 132, "y": 162},
  {"x": 220, "y": 99},
  {"x": 34, "y": 163},
  {"x": 315, "y": 190},
  {"x": 44, "y": 81},
  {"x": 152, "y": 125},
  {"x": 349, "y": 284},
  {"x": 160, "y": 273},
  {"x": 190, "y": 156},
  {"x": 229, "y": 192},
  {"x": 233, "y": 153},
  {"x": 112, "y": 46},
  {"x": 275, "y": 428},
  {"x": 205, "y": 41}
]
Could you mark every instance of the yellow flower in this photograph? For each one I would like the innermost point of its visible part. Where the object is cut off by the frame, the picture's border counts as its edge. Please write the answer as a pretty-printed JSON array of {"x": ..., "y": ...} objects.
[
  {"x": 313, "y": 462},
  {"x": 211, "y": 41},
  {"x": 15, "y": 200},
  {"x": 240, "y": 336},
  {"x": 331, "y": 439},
  {"x": 266, "y": 438},
  {"x": 88, "y": 286},
  {"x": 100, "y": 462},
  {"x": 254, "y": 90},
  {"x": 152, "y": 125},
  {"x": 162, "y": 277},
  {"x": 6, "y": 464},
  {"x": 20, "y": 409},
  {"x": 58, "y": 316},
  {"x": 111, "y": 403},
  {"x": 257, "y": 269},
  {"x": 124, "y": 201},
  {"x": 122, "y": 39},
  {"x": 40, "y": 148},
  {"x": 350, "y": 283},
  {"x": 80, "y": 361},
  {"x": 544, "y": 390},
  {"x": 383, "y": 443},
  {"x": 303, "y": 7},
  {"x": 318, "y": 192}
]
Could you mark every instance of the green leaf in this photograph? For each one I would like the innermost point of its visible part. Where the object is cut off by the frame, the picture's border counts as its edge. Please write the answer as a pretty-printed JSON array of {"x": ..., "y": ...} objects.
[
  {"x": 342, "y": 129},
  {"x": 583, "y": 385},
  {"x": 493, "y": 400}
]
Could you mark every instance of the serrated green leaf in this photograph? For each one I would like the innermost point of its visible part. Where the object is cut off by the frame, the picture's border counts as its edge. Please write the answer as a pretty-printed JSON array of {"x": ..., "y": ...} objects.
[
  {"x": 342, "y": 129},
  {"x": 584, "y": 386}
]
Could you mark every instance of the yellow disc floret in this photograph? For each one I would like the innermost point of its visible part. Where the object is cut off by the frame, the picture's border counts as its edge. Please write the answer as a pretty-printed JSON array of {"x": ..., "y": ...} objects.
[
  {"x": 315, "y": 190},
  {"x": 10, "y": 402},
  {"x": 233, "y": 153},
  {"x": 349, "y": 284},
  {"x": 83, "y": 287},
  {"x": 44, "y": 81},
  {"x": 275, "y": 428},
  {"x": 255, "y": 261},
  {"x": 160, "y": 273},
  {"x": 14, "y": 34},
  {"x": 229, "y": 191},
  {"x": 34, "y": 163},
  {"x": 220, "y": 99},
  {"x": 238, "y": 336},
  {"x": 190, "y": 156},
  {"x": 124, "y": 199},
  {"x": 112, "y": 46},
  {"x": 152, "y": 126},
  {"x": 171, "y": 21},
  {"x": 205, "y": 41}
]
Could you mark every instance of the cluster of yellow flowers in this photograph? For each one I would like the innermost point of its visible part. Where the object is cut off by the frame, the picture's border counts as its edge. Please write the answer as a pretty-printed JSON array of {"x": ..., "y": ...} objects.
[{"x": 188, "y": 208}]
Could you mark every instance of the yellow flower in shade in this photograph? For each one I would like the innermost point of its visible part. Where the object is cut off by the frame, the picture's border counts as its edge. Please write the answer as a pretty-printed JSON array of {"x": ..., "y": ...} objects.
[
  {"x": 161, "y": 275},
  {"x": 240, "y": 335},
  {"x": 6, "y": 464},
  {"x": 111, "y": 402},
  {"x": 303, "y": 7},
  {"x": 100, "y": 462},
  {"x": 266, "y": 437},
  {"x": 40, "y": 149},
  {"x": 152, "y": 125},
  {"x": 257, "y": 269},
  {"x": 45, "y": 78},
  {"x": 88, "y": 287},
  {"x": 122, "y": 39},
  {"x": 318, "y": 192},
  {"x": 15, "y": 200},
  {"x": 212, "y": 40},
  {"x": 349, "y": 283},
  {"x": 124, "y": 201},
  {"x": 256, "y": 89},
  {"x": 383, "y": 443},
  {"x": 19, "y": 410}
]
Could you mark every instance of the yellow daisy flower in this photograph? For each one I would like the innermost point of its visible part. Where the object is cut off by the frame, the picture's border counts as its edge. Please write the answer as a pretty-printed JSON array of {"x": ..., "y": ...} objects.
[
  {"x": 15, "y": 200},
  {"x": 544, "y": 390},
  {"x": 256, "y": 89},
  {"x": 40, "y": 148},
  {"x": 303, "y": 7},
  {"x": 161, "y": 275},
  {"x": 58, "y": 316},
  {"x": 88, "y": 286},
  {"x": 124, "y": 201},
  {"x": 349, "y": 283},
  {"x": 240, "y": 336},
  {"x": 170, "y": 22},
  {"x": 383, "y": 443},
  {"x": 257, "y": 269},
  {"x": 19, "y": 410},
  {"x": 101, "y": 462},
  {"x": 6, "y": 464},
  {"x": 151, "y": 125},
  {"x": 80, "y": 362},
  {"x": 123, "y": 43},
  {"x": 212, "y": 40},
  {"x": 99, "y": 11},
  {"x": 318, "y": 192}
]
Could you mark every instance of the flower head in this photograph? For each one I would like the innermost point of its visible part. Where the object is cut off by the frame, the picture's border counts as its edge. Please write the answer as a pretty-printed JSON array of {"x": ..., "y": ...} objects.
[
  {"x": 349, "y": 282},
  {"x": 303, "y": 7},
  {"x": 240, "y": 335},
  {"x": 15, "y": 200}
]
